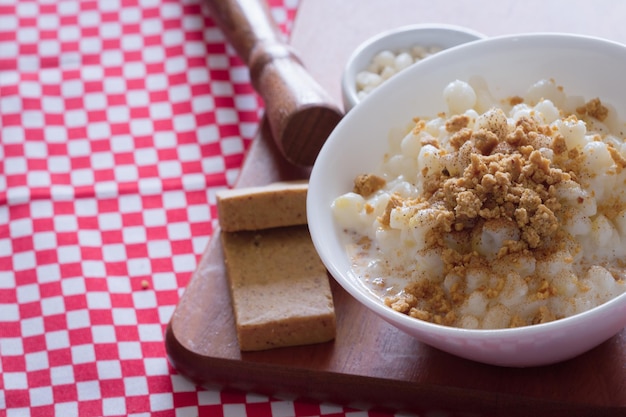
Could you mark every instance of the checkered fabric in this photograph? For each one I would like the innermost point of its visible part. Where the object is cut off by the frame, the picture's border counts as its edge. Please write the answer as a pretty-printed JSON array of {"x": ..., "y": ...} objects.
[{"x": 119, "y": 121}]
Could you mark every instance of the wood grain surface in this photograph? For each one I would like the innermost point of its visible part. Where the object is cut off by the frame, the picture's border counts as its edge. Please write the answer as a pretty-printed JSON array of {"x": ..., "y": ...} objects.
[{"x": 371, "y": 364}]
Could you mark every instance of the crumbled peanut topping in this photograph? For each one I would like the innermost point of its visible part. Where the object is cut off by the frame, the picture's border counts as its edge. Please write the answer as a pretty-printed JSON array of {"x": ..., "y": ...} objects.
[
  {"x": 394, "y": 201},
  {"x": 594, "y": 108},
  {"x": 368, "y": 184},
  {"x": 505, "y": 181},
  {"x": 457, "y": 123},
  {"x": 515, "y": 100}
]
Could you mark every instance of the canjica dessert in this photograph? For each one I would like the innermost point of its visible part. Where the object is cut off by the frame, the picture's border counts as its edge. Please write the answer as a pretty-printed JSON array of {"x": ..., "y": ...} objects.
[{"x": 496, "y": 213}]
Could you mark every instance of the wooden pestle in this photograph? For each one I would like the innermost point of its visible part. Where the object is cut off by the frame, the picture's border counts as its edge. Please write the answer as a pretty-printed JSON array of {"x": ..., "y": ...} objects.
[{"x": 300, "y": 113}]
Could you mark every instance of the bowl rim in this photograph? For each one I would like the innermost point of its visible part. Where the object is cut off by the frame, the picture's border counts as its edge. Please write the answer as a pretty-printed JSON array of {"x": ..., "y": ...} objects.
[
  {"x": 348, "y": 77},
  {"x": 400, "y": 319}
]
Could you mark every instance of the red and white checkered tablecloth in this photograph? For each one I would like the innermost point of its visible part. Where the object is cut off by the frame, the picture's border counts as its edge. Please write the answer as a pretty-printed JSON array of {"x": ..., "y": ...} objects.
[{"x": 119, "y": 120}]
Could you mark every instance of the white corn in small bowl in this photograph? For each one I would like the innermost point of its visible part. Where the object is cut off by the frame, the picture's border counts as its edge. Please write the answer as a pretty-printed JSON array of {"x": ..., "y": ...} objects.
[{"x": 382, "y": 56}]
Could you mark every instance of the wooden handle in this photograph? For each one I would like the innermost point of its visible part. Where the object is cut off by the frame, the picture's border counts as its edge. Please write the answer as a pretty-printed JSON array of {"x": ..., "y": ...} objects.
[{"x": 300, "y": 113}]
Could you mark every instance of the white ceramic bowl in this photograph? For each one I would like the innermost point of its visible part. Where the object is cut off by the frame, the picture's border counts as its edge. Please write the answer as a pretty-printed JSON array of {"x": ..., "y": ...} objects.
[
  {"x": 405, "y": 37},
  {"x": 584, "y": 66}
]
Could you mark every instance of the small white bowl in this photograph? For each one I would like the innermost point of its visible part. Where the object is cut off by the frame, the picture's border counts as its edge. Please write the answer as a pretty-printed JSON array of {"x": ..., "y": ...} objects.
[
  {"x": 585, "y": 66},
  {"x": 434, "y": 35}
]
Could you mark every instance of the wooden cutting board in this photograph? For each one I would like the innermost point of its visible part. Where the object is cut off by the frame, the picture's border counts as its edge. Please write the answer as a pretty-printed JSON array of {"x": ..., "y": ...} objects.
[{"x": 371, "y": 364}]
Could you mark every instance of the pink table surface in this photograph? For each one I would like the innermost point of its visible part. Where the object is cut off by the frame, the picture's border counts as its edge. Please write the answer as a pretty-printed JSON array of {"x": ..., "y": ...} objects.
[{"x": 119, "y": 121}]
